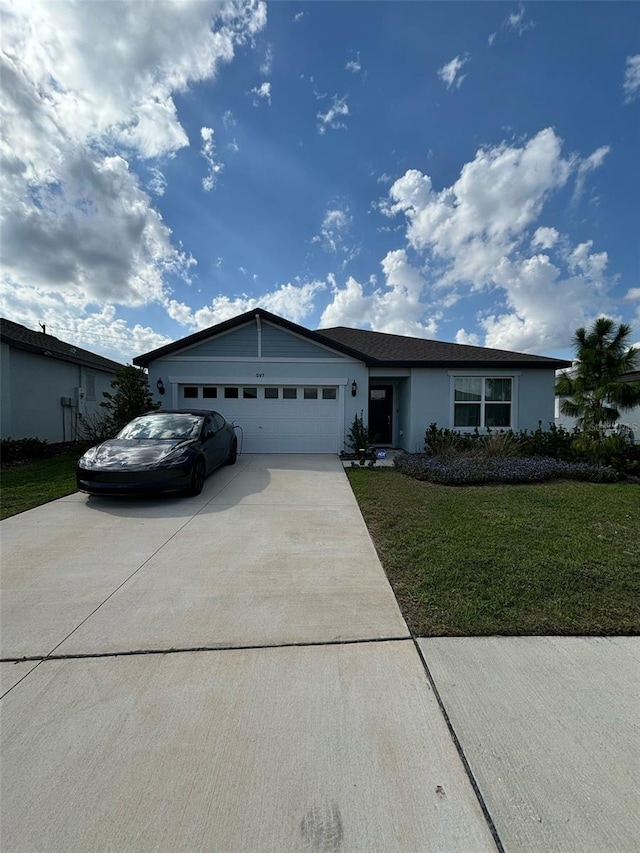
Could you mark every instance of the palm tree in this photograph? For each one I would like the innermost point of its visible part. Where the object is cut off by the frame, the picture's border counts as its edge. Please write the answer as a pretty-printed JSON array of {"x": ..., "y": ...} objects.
[{"x": 596, "y": 395}]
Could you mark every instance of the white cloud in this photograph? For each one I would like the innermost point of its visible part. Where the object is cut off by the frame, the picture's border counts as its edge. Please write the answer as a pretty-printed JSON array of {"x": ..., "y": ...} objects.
[
  {"x": 450, "y": 72},
  {"x": 475, "y": 234},
  {"x": 332, "y": 119},
  {"x": 585, "y": 167},
  {"x": 267, "y": 63},
  {"x": 469, "y": 226},
  {"x": 86, "y": 88},
  {"x": 233, "y": 146},
  {"x": 545, "y": 238},
  {"x": 397, "y": 309},
  {"x": 157, "y": 183},
  {"x": 260, "y": 93},
  {"x": 633, "y": 293},
  {"x": 545, "y": 306},
  {"x": 517, "y": 22},
  {"x": 384, "y": 178},
  {"x": 298, "y": 16},
  {"x": 293, "y": 301},
  {"x": 208, "y": 152},
  {"x": 229, "y": 120},
  {"x": 490, "y": 40},
  {"x": 354, "y": 65},
  {"x": 335, "y": 225},
  {"x": 631, "y": 84}
]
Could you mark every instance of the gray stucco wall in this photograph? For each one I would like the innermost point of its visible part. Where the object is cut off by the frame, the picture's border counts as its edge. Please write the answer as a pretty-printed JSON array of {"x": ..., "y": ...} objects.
[{"x": 32, "y": 388}]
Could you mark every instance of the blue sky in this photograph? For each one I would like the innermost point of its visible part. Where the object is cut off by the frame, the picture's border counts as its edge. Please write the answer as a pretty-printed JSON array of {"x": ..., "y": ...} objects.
[{"x": 461, "y": 171}]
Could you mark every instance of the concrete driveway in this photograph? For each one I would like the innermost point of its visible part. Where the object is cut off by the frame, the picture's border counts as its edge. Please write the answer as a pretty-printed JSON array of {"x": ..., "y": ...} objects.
[
  {"x": 228, "y": 672},
  {"x": 231, "y": 673}
]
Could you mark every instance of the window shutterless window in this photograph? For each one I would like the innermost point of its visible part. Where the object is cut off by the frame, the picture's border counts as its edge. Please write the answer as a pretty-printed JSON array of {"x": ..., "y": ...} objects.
[
  {"x": 250, "y": 393},
  {"x": 209, "y": 392},
  {"x": 310, "y": 393},
  {"x": 190, "y": 392},
  {"x": 329, "y": 393},
  {"x": 231, "y": 393},
  {"x": 289, "y": 393},
  {"x": 271, "y": 393},
  {"x": 482, "y": 402}
]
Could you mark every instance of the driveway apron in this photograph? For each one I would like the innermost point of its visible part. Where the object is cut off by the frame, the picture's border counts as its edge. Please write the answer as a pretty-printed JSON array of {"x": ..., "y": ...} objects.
[{"x": 229, "y": 672}]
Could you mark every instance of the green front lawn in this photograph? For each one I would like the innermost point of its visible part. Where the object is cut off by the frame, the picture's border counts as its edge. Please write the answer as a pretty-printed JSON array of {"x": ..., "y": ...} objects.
[
  {"x": 551, "y": 558},
  {"x": 25, "y": 486}
]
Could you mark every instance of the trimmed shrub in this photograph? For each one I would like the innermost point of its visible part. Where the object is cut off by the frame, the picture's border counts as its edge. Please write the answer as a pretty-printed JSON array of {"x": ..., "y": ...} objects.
[
  {"x": 19, "y": 449},
  {"x": 467, "y": 470}
]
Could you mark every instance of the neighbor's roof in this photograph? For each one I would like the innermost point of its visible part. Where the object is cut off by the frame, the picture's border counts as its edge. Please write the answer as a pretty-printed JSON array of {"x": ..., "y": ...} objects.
[
  {"x": 374, "y": 348},
  {"x": 47, "y": 345}
]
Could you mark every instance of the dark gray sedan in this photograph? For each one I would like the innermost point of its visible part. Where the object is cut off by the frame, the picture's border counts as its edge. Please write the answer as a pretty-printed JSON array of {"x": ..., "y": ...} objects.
[{"x": 167, "y": 451}]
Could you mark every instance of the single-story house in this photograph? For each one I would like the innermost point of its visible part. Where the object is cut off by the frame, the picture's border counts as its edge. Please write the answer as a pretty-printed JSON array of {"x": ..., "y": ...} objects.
[
  {"x": 293, "y": 390},
  {"x": 47, "y": 385}
]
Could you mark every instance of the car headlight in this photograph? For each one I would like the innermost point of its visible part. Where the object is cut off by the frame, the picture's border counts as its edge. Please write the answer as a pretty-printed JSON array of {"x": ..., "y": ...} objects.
[
  {"x": 88, "y": 460},
  {"x": 178, "y": 455}
]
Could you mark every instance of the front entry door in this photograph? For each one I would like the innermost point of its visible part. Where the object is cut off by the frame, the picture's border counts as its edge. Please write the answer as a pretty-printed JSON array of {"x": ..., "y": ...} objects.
[{"x": 381, "y": 413}]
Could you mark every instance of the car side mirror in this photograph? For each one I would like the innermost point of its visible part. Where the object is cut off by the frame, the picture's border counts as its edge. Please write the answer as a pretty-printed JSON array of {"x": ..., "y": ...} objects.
[{"x": 210, "y": 434}]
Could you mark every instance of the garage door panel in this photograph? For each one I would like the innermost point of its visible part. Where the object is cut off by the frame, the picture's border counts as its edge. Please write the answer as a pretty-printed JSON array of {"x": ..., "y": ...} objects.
[{"x": 278, "y": 425}]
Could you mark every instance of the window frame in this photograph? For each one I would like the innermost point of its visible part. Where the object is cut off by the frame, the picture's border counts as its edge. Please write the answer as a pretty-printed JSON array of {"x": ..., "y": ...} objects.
[{"x": 483, "y": 375}]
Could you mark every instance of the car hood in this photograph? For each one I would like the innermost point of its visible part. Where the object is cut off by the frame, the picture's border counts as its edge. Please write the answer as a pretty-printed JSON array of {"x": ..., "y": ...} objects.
[{"x": 138, "y": 453}]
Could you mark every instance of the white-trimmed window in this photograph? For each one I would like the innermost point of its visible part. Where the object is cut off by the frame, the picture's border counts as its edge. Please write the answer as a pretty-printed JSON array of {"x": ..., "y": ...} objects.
[{"x": 483, "y": 402}]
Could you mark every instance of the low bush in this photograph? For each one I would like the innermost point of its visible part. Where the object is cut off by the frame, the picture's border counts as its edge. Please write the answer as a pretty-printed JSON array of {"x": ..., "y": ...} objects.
[
  {"x": 466, "y": 470},
  {"x": 20, "y": 449}
]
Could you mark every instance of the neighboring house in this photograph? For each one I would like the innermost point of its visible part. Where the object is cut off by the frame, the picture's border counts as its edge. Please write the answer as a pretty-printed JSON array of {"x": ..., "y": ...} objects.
[
  {"x": 293, "y": 390},
  {"x": 47, "y": 385},
  {"x": 629, "y": 418}
]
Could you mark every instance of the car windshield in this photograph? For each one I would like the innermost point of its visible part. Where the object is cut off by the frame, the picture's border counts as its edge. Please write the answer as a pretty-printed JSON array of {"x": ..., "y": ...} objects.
[{"x": 163, "y": 426}]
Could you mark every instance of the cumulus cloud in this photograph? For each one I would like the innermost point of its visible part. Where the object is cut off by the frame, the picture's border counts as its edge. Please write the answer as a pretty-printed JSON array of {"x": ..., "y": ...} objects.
[
  {"x": 260, "y": 93},
  {"x": 86, "y": 88},
  {"x": 545, "y": 238},
  {"x": 398, "y": 308},
  {"x": 293, "y": 301},
  {"x": 475, "y": 234},
  {"x": 333, "y": 118},
  {"x": 631, "y": 85},
  {"x": 450, "y": 72}
]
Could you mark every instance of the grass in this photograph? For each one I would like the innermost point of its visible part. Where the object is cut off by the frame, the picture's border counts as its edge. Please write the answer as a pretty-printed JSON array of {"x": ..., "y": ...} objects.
[
  {"x": 548, "y": 558},
  {"x": 37, "y": 482}
]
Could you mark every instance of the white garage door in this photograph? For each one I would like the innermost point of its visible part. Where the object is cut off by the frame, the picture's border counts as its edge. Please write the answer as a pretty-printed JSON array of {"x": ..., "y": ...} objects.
[{"x": 274, "y": 418}]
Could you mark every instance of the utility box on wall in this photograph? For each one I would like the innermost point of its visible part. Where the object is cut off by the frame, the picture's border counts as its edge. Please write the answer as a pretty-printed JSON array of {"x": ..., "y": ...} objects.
[{"x": 80, "y": 397}]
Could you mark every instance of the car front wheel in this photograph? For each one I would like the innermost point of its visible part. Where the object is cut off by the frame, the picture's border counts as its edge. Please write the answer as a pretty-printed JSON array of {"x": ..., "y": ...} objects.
[{"x": 197, "y": 477}]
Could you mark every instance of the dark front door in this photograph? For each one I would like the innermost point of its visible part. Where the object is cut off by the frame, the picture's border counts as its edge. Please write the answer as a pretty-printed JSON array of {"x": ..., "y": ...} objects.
[{"x": 381, "y": 413}]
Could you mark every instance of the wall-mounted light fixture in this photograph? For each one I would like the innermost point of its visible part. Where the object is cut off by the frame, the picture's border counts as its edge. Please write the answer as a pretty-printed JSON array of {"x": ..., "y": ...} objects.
[
  {"x": 160, "y": 386},
  {"x": 354, "y": 388}
]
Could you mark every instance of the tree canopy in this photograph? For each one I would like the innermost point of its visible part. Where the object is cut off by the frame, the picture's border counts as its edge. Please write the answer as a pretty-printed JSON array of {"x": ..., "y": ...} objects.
[
  {"x": 132, "y": 397},
  {"x": 595, "y": 392}
]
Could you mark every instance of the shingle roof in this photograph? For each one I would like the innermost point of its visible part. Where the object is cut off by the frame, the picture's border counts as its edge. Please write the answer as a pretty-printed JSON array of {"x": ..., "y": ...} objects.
[
  {"x": 405, "y": 350},
  {"x": 38, "y": 342},
  {"x": 374, "y": 348}
]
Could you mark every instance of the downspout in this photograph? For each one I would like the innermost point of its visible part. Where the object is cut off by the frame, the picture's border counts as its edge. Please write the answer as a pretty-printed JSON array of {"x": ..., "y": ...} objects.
[{"x": 259, "y": 327}]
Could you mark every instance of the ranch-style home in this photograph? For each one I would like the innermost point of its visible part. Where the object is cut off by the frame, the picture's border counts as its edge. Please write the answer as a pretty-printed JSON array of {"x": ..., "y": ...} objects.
[
  {"x": 293, "y": 390},
  {"x": 48, "y": 386}
]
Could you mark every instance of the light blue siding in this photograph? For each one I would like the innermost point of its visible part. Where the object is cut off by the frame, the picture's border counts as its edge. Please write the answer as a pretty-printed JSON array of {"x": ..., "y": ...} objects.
[
  {"x": 32, "y": 388},
  {"x": 241, "y": 343},
  {"x": 277, "y": 343}
]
